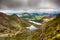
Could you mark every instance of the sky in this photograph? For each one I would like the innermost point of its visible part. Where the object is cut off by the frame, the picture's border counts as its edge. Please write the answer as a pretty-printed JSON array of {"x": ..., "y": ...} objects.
[{"x": 29, "y": 5}]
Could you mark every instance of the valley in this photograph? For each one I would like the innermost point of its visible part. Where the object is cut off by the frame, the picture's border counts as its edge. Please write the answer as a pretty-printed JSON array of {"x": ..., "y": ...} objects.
[{"x": 13, "y": 27}]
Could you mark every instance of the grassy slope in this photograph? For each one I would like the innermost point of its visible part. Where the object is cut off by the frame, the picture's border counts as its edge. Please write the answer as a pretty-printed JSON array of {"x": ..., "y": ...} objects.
[{"x": 51, "y": 31}]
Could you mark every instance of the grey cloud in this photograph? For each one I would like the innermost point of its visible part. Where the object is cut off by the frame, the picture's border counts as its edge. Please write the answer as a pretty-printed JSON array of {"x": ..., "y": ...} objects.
[
  {"x": 13, "y": 4},
  {"x": 57, "y": 2},
  {"x": 24, "y": 4}
]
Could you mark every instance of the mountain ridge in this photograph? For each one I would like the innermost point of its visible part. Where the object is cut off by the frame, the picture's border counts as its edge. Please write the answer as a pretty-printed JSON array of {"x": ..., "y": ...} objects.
[{"x": 11, "y": 23}]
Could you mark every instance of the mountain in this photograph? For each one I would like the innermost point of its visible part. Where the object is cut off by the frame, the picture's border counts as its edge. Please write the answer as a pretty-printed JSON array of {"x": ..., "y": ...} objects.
[
  {"x": 33, "y": 15},
  {"x": 50, "y": 30},
  {"x": 45, "y": 14},
  {"x": 14, "y": 26},
  {"x": 47, "y": 31},
  {"x": 54, "y": 13},
  {"x": 11, "y": 23}
]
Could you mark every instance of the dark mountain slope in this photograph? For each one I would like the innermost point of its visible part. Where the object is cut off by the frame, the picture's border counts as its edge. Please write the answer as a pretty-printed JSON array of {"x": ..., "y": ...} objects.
[{"x": 10, "y": 23}]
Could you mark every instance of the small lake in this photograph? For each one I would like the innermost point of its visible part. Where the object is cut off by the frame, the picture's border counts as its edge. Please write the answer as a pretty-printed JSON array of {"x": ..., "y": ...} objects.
[
  {"x": 38, "y": 23},
  {"x": 32, "y": 28}
]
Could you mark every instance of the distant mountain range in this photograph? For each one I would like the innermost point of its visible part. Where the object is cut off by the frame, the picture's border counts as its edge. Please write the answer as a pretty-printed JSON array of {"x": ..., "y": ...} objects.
[
  {"x": 35, "y": 13},
  {"x": 45, "y": 14}
]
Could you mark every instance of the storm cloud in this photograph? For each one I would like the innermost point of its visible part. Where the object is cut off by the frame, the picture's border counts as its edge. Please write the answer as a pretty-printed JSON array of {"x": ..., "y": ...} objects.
[{"x": 29, "y": 4}]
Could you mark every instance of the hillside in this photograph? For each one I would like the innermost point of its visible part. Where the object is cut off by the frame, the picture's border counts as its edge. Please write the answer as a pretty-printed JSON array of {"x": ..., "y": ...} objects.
[
  {"x": 13, "y": 27},
  {"x": 49, "y": 32},
  {"x": 11, "y": 23}
]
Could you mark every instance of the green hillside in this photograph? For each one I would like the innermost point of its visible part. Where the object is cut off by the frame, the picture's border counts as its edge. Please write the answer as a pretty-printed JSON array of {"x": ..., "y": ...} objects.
[{"x": 51, "y": 31}]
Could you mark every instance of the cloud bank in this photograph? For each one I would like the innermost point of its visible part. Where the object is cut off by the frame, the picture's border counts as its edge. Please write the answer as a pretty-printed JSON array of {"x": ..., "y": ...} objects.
[{"x": 29, "y": 5}]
